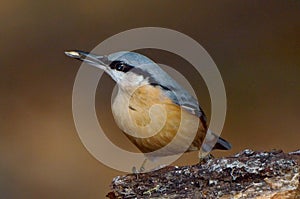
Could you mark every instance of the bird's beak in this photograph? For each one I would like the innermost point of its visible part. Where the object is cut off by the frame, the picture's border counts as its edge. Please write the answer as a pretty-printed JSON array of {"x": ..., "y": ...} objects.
[{"x": 95, "y": 60}]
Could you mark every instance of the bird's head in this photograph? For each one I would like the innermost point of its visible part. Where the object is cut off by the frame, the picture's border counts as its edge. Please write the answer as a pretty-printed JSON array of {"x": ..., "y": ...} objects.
[{"x": 127, "y": 69}]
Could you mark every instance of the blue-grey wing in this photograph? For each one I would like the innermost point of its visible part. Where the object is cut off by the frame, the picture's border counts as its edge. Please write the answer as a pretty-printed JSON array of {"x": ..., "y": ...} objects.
[{"x": 180, "y": 96}]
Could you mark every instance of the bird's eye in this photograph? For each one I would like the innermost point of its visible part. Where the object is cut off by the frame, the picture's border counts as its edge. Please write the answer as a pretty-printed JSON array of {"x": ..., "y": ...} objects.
[{"x": 120, "y": 66}]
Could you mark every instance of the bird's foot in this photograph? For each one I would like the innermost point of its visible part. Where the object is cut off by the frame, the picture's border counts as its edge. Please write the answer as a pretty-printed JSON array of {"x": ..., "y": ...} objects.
[
  {"x": 141, "y": 169},
  {"x": 136, "y": 171},
  {"x": 205, "y": 159}
]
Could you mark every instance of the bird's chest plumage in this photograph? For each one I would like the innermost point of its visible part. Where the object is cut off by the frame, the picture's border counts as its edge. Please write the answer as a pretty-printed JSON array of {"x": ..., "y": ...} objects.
[{"x": 151, "y": 121}]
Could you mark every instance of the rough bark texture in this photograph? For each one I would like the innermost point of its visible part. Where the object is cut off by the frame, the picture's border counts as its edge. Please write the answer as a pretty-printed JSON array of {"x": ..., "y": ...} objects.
[{"x": 248, "y": 174}]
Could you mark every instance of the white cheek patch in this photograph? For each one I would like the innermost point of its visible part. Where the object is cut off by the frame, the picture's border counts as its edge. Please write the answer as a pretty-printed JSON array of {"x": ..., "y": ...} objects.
[
  {"x": 119, "y": 75},
  {"x": 139, "y": 79},
  {"x": 116, "y": 75},
  {"x": 133, "y": 80}
]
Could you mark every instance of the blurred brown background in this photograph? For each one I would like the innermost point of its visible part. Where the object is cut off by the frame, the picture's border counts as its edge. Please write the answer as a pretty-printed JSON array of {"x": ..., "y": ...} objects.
[{"x": 255, "y": 44}]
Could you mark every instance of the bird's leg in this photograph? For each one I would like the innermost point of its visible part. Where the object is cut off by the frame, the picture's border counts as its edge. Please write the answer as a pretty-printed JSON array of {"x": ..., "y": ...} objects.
[{"x": 141, "y": 169}]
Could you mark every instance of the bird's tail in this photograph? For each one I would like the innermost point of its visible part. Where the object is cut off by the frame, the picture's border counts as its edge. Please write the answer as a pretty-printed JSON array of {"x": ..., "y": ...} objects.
[
  {"x": 213, "y": 141},
  {"x": 222, "y": 144}
]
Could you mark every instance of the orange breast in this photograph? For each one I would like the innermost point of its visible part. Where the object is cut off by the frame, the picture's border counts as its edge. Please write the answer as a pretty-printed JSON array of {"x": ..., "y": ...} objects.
[{"x": 150, "y": 110}]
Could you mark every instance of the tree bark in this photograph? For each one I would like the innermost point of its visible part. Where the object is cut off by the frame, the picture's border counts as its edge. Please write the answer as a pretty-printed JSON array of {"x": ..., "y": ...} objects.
[{"x": 248, "y": 174}]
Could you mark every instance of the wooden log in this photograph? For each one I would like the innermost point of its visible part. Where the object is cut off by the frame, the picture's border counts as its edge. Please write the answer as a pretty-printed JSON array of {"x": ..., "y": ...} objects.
[{"x": 248, "y": 174}]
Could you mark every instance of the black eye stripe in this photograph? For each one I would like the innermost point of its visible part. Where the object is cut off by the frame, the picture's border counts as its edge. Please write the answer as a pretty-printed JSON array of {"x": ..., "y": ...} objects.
[{"x": 120, "y": 66}]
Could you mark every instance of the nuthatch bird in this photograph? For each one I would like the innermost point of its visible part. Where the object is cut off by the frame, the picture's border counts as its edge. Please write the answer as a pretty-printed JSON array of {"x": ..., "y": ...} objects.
[{"x": 143, "y": 84}]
